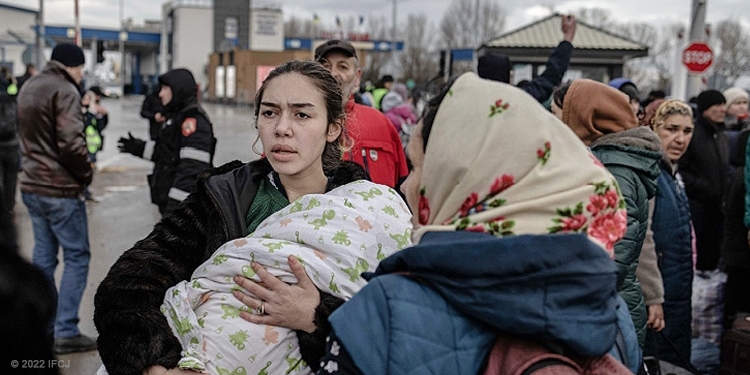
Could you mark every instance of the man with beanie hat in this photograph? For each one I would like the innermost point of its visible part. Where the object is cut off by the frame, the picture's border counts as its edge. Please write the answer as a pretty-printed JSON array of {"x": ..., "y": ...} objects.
[
  {"x": 737, "y": 109},
  {"x": 183, "y": 148},
  {"x": 55, "y": 171},
  {"x": 705, "y": 170},
  {"x": 497, "y": 66}
]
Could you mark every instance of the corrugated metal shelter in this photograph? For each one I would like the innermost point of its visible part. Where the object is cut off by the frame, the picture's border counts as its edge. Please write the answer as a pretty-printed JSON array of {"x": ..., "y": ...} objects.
[{"x": 598, "y": 54}]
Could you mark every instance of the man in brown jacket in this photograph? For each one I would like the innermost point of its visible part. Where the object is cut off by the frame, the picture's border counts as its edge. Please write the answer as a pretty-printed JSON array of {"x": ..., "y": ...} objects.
[{"x": 55, "y": 171}]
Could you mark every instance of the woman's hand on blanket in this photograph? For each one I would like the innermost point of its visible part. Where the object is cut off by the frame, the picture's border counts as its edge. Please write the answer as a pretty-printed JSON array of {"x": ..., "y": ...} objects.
[
  {"x": 289, "y": 306},
  {"x": 160, "y": 370}
]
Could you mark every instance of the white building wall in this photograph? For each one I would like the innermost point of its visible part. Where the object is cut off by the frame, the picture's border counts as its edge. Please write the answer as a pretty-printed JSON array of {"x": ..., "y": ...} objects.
[
  {"x": 18, "y": 23},
  {"x": 192, "y": 42},
  {"x": 266, "y": 30}
]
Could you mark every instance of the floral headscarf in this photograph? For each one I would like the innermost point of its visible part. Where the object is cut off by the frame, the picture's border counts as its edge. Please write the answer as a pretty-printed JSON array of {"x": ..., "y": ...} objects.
[{"x": 498, "y": 162}]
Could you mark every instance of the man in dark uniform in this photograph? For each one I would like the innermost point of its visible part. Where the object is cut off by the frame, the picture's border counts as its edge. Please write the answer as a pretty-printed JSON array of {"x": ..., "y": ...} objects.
[{"x": 184, "y": 146}]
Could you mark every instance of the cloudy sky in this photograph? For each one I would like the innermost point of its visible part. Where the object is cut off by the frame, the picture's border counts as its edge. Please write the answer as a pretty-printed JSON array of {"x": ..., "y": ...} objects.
[{"x": 106, "y": 13}]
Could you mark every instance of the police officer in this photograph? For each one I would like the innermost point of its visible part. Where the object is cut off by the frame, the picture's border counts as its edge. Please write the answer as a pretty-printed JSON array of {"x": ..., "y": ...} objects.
[{"x": 183, "y": 148}]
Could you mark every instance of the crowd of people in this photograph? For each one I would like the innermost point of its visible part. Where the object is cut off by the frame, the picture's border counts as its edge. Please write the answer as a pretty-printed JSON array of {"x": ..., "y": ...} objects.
[{"x": 489, "y": 234}]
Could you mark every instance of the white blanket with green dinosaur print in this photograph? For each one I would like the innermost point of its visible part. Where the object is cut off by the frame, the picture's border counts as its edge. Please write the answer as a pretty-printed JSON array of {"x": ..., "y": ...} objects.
[{"x": 336, "y": 236}]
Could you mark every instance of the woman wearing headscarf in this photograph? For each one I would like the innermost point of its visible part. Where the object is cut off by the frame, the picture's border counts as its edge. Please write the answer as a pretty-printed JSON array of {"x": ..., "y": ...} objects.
[
  {"x": 737, "y": 117},
  {"x": 602, "y": 118},
  {"x": 514, "y": 231},
  {"x": 668, "y": 285},
  {"x": 398, "y": 108}
]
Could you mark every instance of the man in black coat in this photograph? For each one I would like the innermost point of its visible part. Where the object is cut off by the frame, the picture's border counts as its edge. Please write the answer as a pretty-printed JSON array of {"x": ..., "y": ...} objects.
[{"x": 705, "y": 170}]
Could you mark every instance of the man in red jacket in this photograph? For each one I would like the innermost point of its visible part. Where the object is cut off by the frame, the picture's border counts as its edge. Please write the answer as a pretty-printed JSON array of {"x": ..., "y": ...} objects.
[{"x": 377, "y": 145}]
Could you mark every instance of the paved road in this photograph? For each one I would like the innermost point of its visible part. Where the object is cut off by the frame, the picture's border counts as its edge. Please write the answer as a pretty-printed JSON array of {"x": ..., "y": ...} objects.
[{"x": 124, "y": 213}]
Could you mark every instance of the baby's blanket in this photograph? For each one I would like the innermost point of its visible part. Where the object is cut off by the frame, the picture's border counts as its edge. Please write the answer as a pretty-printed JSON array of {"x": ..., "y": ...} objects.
[{"x": 336, "y": 236}]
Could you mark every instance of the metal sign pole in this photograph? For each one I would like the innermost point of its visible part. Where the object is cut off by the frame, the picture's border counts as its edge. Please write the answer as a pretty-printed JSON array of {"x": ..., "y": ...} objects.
[{"x": 697, "y": 34}]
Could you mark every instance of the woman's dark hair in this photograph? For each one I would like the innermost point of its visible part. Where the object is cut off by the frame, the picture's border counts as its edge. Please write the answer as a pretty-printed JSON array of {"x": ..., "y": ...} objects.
[
  {"x": 558, "y": 96},
  {"x": 430, "y": 110},
  {"x": 331, "y": 90}
]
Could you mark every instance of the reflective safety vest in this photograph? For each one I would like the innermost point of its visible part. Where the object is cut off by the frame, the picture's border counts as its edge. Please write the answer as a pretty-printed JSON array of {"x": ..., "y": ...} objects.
[
  {"x": 12, "y": 89},
  {"x": 93, "y": 138}
]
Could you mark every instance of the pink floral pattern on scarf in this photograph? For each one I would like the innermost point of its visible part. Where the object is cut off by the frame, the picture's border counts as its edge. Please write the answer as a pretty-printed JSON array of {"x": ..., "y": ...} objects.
[
  {"x": 605, "y": 216},
  {"x": 498, "y": 174}
]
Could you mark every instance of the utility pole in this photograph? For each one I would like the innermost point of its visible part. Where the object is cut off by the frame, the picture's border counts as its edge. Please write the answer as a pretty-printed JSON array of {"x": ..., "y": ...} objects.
[
  {"x": 40, "y": 36},
  {"x": 78, "y": 40},
  {"x": 476, "y": 24},
  {"x": 697, "y": 34},
  {"x": 123, "y": 35}
]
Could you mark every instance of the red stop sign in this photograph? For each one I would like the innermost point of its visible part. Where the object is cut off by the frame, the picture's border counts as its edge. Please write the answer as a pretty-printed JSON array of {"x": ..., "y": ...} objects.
[{"x": 697, "y": 57}]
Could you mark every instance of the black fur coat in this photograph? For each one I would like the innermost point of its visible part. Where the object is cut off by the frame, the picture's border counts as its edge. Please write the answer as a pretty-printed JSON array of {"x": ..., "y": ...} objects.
[{"x": 133, "y": 333}]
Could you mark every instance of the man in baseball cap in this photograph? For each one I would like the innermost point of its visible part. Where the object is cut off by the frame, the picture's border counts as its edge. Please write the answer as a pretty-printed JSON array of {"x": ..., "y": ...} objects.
[
  {"x": 335, "y": 44},
  {"x": 377, "y": 145}
]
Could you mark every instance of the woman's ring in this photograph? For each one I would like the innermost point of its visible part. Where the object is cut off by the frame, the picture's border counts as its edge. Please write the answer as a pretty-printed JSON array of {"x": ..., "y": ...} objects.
[{"x": 262, "y": 308}]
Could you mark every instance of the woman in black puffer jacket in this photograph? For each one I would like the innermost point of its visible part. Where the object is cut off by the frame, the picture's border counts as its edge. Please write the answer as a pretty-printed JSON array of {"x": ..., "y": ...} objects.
[{"x": 229, "y": 202}]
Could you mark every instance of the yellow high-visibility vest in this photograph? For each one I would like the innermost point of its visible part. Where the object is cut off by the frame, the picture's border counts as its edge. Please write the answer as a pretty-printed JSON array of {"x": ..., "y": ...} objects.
[{"x": 93, "y": 138}]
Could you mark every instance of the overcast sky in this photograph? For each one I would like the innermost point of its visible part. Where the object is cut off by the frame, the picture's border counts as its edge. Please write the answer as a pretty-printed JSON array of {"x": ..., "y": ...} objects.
[{"x": 106, "y": 13}]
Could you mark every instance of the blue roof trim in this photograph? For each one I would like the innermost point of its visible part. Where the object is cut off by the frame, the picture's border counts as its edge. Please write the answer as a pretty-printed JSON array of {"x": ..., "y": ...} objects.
[
  {"x": 17, "y": 8},
  {"x": 101, "y": 34},
  {"x": 307, "y": 43},
  {"x": 386, "y": 45},
  {"x": 298, "y": 43},
  {"x": 462, "y": 54}
]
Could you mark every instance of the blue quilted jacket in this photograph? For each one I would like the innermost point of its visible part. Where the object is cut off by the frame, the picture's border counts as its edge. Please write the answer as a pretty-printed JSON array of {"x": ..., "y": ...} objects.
[
  {"x": 433, "y": 308},
  {"x": 674, "y": 247}
]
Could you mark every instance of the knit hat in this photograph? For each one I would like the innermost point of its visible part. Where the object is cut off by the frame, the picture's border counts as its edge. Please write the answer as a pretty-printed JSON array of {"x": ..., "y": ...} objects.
[
  {"x": 68, "y": 54},
  {"x": 709, "y": 98},
  {"x": 649, "y": 112},
  {"x": 734, "y": 94},
  {"x": 494, "y": 66},
  {"x": 625, "y": 85}
]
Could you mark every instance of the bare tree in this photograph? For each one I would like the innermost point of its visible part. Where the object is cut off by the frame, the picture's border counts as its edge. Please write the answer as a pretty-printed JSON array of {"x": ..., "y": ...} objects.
[
  {"x": 419, "y": 60},
  {"x": 734, "y": 51},
  {"x": 299, "y": 28},
  {"x": 648, "y": 72},
  {"x": 469, "y": 23},
  {"x": 378, "y": 28},
  {"x": 645, "y": 68},
  {"x": 655, "y": 70},
  {"x": 597, "y": 17}
]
